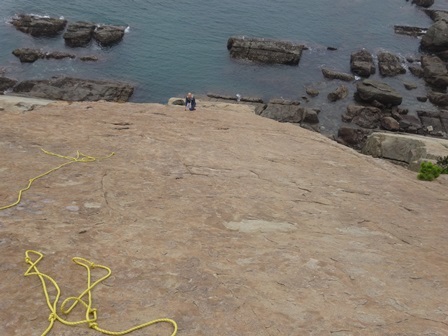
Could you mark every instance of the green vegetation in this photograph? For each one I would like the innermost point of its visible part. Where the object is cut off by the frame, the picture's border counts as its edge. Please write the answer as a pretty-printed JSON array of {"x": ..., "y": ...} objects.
[{"x": 430, "y": 171}]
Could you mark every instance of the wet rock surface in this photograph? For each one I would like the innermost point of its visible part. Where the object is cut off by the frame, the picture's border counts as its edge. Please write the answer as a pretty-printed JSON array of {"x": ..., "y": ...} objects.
[
  {"x": 361, "y": 63},
  {"x": 390, "y": 65},
  {"x": 370, "y": 91},
  {"x": 79, "y": 34},
  {"x": 228, "y": 223},
  {"x": 75, "y": 89},
  {"x": 265, "y": 50},
  {"x": 109, "y": 35},
  {"x": 332, "y": 74},
  {"x": 38, "y": 26}
]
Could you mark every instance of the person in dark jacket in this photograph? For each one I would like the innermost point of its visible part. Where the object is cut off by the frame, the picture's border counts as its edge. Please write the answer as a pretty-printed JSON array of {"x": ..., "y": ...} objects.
[{"x": 190, "y": 102}]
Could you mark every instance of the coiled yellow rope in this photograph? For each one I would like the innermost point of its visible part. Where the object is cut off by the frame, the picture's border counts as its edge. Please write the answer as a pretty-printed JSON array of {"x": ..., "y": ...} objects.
[
  {"x": 78, "y": 158},
  {"x": 91, "y": 313}
]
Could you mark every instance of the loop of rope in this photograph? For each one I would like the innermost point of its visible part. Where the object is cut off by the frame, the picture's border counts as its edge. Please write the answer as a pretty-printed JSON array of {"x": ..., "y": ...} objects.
[
  {"x": 91, "y": 313},
  {"x": 80, "y": 157}
]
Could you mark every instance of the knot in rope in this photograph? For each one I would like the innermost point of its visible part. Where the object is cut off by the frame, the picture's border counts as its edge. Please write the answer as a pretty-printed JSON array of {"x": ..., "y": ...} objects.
[
  {"x": 52, "y": 317},
  {"x": 91, "y": 313},
  {"x": 93, "y": 325}
]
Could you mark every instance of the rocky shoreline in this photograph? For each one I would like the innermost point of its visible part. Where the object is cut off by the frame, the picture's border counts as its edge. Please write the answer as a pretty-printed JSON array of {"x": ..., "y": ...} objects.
[{"x": 371, "y": 105}]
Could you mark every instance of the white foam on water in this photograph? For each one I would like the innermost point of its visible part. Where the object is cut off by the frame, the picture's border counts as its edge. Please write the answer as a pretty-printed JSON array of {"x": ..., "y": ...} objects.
[
  {"x": 357, "y": 78},
  {"x": 128, "y": 29}
]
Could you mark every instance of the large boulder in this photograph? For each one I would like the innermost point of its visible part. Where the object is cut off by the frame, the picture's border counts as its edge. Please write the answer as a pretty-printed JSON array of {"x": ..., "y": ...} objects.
[
  {"x": 290, "y": 112},
  {"x": 265, "y": 50},
  {"x": 438, "y": 98},
  {"x": 109, "y": 35},
  {"x": 410, "y": 124},
  {"x": 364, "y": 116},
  {"x": 6, "y": 84},
  {"x": 435, "y": 72},
  {"x": 423, "y": 3},
  {"x": 38, "y": 26},
  {"x": 404, "y": 148},
  {"x": 361, "y": 63},
  {"x": 390, "y": 65},
  {"x": 339, "y": 93},
  {"x": 437, "y": 15},
  {"x": 436, "y": 38},
  {"x": 352, "y": 137},
  {"x": 75, "y": 89},
  {"x": 28, "y": 55},
  {"x": 416, "y": 70},
  {"x": 390, "y": 124},
  {"x": 331, "y": 74},
  {"x": 284, "y": 113},
  {"x": 79, "y": 34},
  {"x": 370, "y": 91}
]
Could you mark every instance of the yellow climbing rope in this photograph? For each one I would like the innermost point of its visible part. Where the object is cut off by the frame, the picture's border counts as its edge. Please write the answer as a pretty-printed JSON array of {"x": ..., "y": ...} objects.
[
  {"x": 91, "y": 313},
  {"x": 78, "y": 158}
]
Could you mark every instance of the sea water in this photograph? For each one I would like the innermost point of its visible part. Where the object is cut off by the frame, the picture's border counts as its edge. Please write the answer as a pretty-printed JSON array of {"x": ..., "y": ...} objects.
[{"x": 172, "y": 47}]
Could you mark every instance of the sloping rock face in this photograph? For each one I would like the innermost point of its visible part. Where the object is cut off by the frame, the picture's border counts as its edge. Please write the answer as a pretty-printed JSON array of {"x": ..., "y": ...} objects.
[
  {"x": 79, "y": 34},
  {"x": 229, "y": 223},
  {"x": 265, "y": 50},
  {"x": 38, "y": 26},
  {"x": 409, "y": 149},
  {"x": 390, "y": 65},
  {"x": 370, "y": 91},
  {"x": 361, "y": 63},
  {"x": 75, "y": 89},
  {"x": 109, "y": 35}
]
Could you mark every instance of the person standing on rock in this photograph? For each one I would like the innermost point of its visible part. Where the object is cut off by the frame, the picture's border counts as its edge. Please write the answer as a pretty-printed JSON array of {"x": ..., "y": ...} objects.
[{"x": 190, "y": 102}]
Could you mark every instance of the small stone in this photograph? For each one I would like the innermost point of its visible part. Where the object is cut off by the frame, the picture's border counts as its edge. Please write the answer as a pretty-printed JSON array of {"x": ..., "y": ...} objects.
[
  {"x": 410, "y": 86},
  {"x": 312, "y": 92},
  {"x": 422, "y": 99}
]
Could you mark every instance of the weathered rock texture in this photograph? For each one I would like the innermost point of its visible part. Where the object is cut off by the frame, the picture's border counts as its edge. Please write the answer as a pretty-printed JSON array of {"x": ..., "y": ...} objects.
[
  {"x": 403, "y": 148},
  {"x": 339, "y": 93},
  {"x": 79, "y": 34},
  {"x": 38, "y": 26},
  {"x": 30, "y": 55},
  {"x": 109, "y": 35},
  {"x": 435, "y": 72},
  {"x": 370, "y": 91},
  {"x": 265, "y": 50},
  {"x": 75, "y": 89},
  {"x": 436, "y": 38},
  {"x": 361, "y": 63},
  {"x": 331, "y": 74},
  {"x": 229, "y": 223},
  {"x": 390, "y": 65}
]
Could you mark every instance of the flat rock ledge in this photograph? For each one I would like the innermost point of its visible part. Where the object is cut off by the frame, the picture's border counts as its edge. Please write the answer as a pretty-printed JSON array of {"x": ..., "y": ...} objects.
[
  {"x": 265, "y": 50},
  {"x": 407, "y": 149},
  {"x": 75, "y": 89}
]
